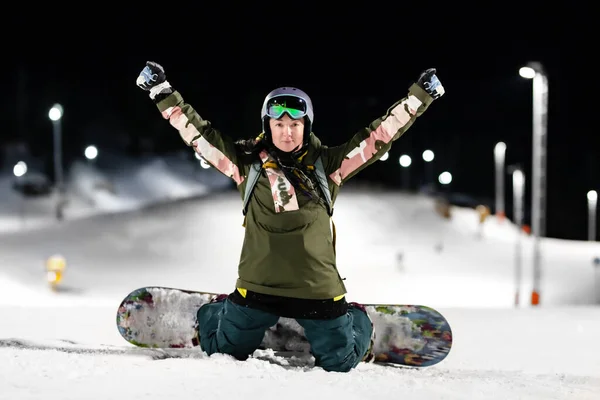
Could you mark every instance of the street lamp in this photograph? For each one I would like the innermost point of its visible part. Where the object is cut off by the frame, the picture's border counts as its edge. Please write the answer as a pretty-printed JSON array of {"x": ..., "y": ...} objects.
[
  {"x": 405, "y": 162},
  {"x": 91, "y": 152},
  {"x": 385, "y": 156},
  {"x": 55, "y": 114},
  {"x": 592, "y": 197},
  {"x": 527, "y": 72},
  {"x": 499, "y": 157},
  {"x": 445, "y": 178},
  {"x": 535, "y": 71},
  {"x": 428, "y": 156},
  {"x": 20, "y": 169},
  {"x": 518, "y": 180}
]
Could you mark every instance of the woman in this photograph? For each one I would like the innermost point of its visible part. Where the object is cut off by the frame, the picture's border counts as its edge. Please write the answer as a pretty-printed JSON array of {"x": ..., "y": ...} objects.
[{"x": 288, "y": 265}]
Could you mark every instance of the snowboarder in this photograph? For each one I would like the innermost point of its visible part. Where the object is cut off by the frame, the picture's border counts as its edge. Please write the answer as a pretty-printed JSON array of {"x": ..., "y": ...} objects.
[{"x": 289, "y": 182}]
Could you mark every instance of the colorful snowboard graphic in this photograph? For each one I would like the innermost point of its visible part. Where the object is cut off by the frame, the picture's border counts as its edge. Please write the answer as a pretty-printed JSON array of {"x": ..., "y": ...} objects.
[{"x": 161, "y": 317}]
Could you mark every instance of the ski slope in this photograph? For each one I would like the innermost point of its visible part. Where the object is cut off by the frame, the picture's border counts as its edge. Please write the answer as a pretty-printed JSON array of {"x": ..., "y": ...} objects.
[{"x": 168, "y": 226}]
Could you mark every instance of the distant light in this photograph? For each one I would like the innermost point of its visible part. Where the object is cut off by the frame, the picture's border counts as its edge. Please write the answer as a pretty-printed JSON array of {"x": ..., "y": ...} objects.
[
  {"x": 405, "y": 160},
  {"x": 445, "y": 178},
  {"x": 499, "y": 149},
  {"x": 385, "y": 156},
  {"x": 527, "y": 72},
  {"x": 518, "y": 177},
  {"x": 56, "y": 112},
  {"x": 20, "y": 169},
  {"x": 204, "y": 164},
  {"x": 91, "y": 152},
  {"x": 428, "y": 155},
  {"x": 592, "y": 195}
]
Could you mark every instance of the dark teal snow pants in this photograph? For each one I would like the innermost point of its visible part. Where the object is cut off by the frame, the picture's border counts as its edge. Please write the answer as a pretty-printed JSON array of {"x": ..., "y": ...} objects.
[{"x": 338, "y": 344}]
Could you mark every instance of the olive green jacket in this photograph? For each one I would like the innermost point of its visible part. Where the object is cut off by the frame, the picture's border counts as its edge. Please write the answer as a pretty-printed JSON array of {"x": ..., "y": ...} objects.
[{"x": 288, "y": 247}]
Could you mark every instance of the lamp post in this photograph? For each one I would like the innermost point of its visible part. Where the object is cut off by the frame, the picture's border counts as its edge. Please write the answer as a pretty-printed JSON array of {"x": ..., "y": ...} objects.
[
  {"x": 405, "y": 162},
  {"x": 499, "y": 157},
  {"x": 536, "y": 72},
  {"x": 428, "y": 157},
  {"x": 518, "y": 180},
  {"x": 592, "y": 197},
  {"x": 19, "y": 170},
  {"x": 55, "y": 114}
]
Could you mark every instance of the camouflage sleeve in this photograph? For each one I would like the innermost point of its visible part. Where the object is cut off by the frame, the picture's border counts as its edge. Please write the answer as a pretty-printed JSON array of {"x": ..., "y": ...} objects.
[
  {"x": 370, "y": 143},
  {"x": 217, "y": 149}
]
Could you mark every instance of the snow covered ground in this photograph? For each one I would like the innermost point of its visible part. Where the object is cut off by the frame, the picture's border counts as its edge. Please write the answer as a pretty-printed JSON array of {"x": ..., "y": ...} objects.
[{"x": 166, "y": 224}]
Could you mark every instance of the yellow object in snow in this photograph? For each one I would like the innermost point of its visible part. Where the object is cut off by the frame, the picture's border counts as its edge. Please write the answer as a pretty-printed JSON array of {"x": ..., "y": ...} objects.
[
  {"x": 54, "y": 277},
  {"x": 483, "y": 212},
  {"x": 55, "y": 266}
]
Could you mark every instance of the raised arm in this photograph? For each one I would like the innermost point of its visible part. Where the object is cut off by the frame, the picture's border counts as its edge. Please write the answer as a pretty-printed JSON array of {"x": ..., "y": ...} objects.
[
  {"x": 217, "y": 149},
  {"x": 371, "y": 143}
]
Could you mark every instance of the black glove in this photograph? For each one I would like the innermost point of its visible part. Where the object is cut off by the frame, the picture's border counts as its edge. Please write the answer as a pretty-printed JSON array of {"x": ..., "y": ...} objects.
[
  {"x": 153, "y": 79},
  {"x": 431, "y": 84}
]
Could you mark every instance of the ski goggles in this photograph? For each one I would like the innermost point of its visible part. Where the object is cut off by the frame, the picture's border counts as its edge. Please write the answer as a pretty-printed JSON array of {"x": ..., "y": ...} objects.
[{"x": 294, "y": 106}]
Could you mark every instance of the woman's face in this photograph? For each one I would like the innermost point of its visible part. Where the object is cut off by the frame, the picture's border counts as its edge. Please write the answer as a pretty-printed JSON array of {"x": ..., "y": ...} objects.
[{"x": 287, "y": 133}]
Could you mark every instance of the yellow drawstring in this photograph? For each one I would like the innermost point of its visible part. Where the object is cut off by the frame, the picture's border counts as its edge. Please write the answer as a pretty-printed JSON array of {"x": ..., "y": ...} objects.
[
  {"x": 302, "y": 156},
  {"x": 270, "y": 164}
]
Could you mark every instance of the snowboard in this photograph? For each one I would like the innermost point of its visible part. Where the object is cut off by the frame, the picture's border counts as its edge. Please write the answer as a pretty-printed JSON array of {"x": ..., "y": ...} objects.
[{"x": 165, "y": 318}]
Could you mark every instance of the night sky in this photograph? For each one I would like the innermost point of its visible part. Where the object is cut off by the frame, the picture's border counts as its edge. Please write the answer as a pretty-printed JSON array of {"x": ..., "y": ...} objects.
[{"x": 354, "y": 62}]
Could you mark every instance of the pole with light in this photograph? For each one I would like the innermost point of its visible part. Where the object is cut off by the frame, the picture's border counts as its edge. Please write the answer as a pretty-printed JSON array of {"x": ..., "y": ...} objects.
[
  {"x": 405, "y": 162},
  {"x": 499, "y": 157},
  {"x": 428, "y": 157},
  {"x": 518, "y": 180},
  {"x": 535, "y": 71},
  {"x": 55, "y": 114},
  {"x": 592, "y": 197},
  {"x": 19, "y": 170}
]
